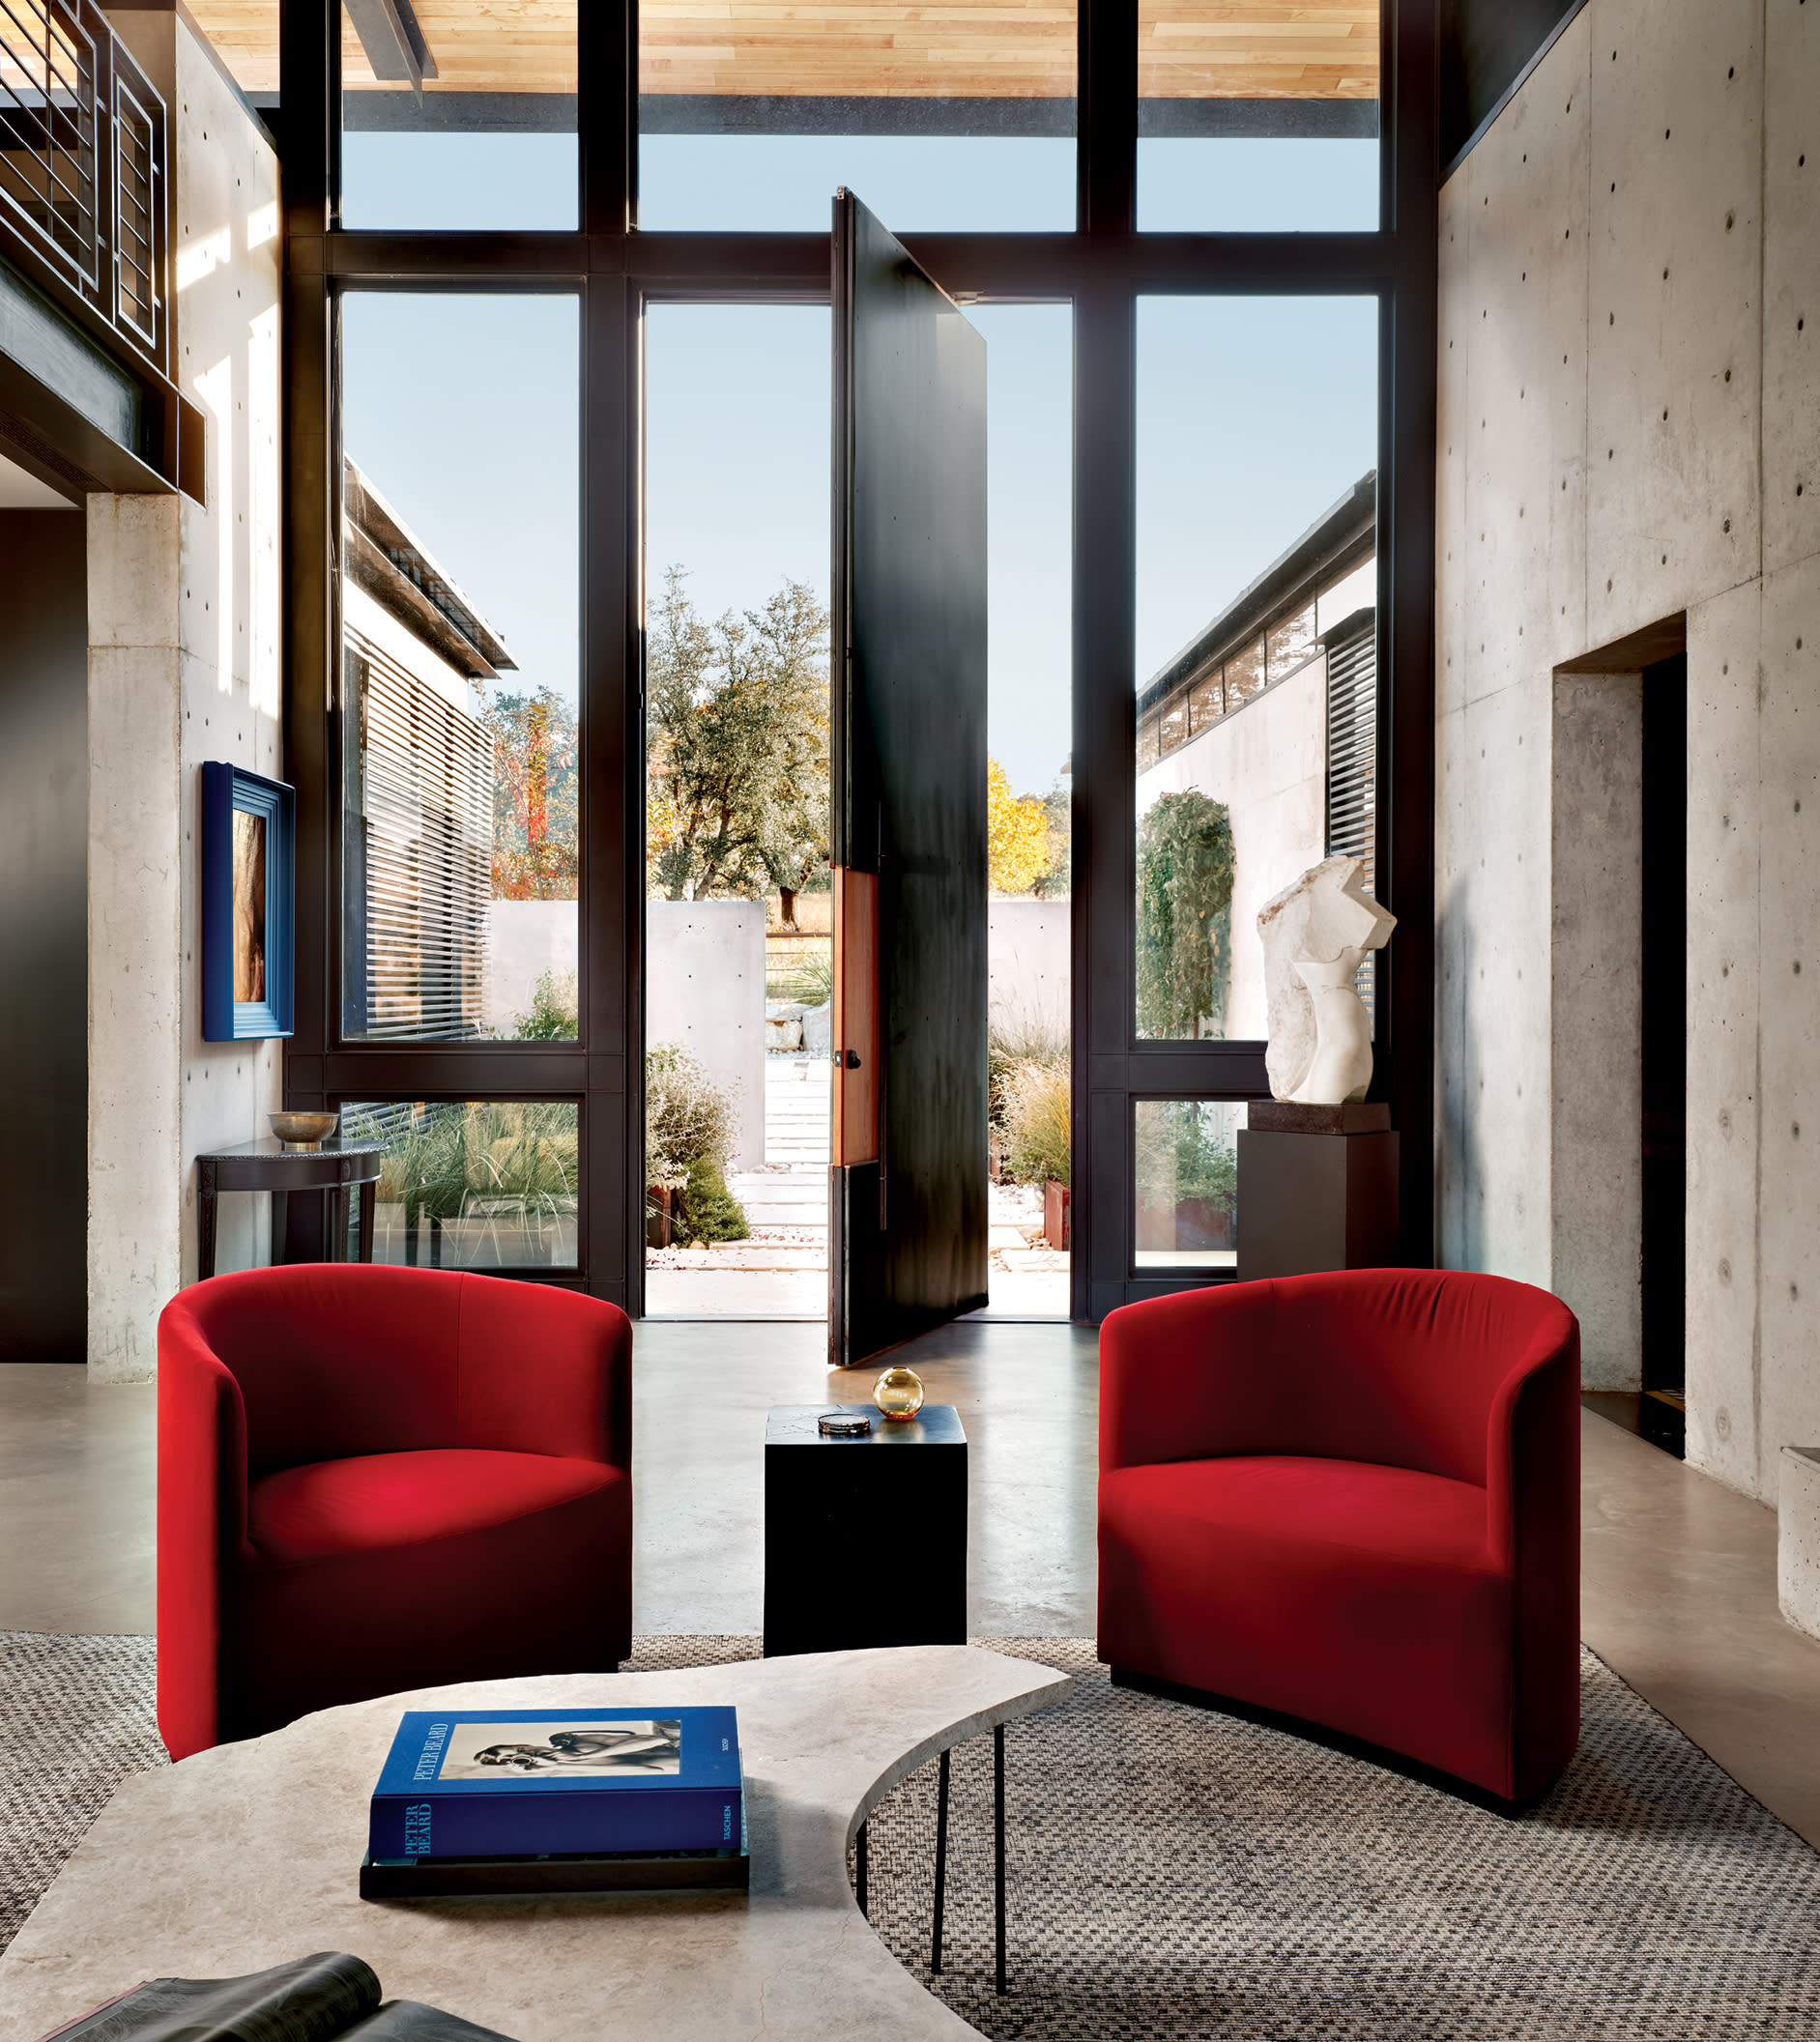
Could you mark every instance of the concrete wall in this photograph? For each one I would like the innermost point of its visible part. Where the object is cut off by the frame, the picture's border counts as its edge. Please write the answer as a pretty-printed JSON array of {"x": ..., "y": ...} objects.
[
  {"x": 1595, "y": 990},
  {"x": 1028, "y": 967},
  {"x": 183, "y": 606},
  {"x": 1630, "y": 430},
  {"x": 1268, "y": 763},
  {"x": 705, "y": 988}
]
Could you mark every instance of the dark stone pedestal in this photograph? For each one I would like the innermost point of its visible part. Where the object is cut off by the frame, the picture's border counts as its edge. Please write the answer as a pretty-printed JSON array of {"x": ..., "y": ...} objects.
[
  {"x": 865, "y": 1540},
  {"x": 1316, "y": 1188}
]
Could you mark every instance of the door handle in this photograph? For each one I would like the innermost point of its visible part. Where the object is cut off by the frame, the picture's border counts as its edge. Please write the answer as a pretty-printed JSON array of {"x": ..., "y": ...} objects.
[{"x": 853, "y": 1059}]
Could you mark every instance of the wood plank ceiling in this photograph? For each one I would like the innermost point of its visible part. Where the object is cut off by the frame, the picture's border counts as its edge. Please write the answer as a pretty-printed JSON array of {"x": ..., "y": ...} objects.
[{"x": 895, "y": 48}]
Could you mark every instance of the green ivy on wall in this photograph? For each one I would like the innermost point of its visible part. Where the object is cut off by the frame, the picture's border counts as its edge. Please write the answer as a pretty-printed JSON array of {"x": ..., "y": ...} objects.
[{"x": 1184, "y": 938}]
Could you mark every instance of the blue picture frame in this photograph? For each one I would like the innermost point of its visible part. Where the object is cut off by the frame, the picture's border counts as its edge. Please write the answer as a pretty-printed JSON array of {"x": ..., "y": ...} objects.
[{"x": 249, "y": 904}]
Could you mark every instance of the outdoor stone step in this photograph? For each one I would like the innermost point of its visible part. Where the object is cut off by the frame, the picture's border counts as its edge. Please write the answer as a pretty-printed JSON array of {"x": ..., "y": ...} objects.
[{"x": 736, "y": 1294}]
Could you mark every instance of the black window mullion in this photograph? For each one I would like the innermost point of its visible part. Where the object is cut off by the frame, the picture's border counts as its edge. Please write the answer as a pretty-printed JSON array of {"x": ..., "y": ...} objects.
[
  {"x": 1102, "y": 793},
  {"x": 611, "y": 889},
  {"x": 1406, "y": 527},
  {"x": 1106, "y": 144},
  {"x": 606, "y": 116},
  {"x": 307, "y": 55}
]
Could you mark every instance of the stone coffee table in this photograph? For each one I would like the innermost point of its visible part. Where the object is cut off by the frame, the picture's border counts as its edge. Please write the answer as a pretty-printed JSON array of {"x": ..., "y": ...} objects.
[{"x": 248, "y": 1854}]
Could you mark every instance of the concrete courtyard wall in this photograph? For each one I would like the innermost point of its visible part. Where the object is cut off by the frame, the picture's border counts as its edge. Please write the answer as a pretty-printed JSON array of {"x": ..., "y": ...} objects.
[
  {"x": 1027, "y": 963},
  {"x": 705, "y": 988}
]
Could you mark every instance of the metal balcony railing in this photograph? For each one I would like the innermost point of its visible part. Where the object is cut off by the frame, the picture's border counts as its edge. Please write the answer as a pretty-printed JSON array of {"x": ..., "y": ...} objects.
[{"x": 82, "y": 156}]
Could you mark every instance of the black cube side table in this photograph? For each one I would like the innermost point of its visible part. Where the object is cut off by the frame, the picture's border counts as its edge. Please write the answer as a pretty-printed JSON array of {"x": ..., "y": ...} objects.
[{"x": 865, "y": 1540}]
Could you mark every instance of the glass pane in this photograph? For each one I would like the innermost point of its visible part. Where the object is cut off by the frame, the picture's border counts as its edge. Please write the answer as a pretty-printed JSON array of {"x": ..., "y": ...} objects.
[
  {"x": 955, "y": 115},
  {"x": 1029, "y": 388},
  {"x": 482, "y": 1185},
  {"x": 459, "y": 713},
  {"x": 1257, "y": 118},
  {"x": 738, "y": 948},
  {"x": 456, "y": 113},
  {"x": 1186, "y": 1174},
  {"x": 1257, "y": 509},
  {"x": 1207, "y": 703},
  {"x": 1291, "y": 642}
]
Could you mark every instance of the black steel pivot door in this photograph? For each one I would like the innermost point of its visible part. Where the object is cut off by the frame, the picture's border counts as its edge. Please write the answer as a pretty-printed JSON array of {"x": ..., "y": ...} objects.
[{"x": 909, "y": 1190}]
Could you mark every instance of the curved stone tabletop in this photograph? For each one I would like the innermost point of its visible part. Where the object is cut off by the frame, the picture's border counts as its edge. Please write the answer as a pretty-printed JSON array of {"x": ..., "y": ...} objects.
[{"x": 248, "y": 1854}]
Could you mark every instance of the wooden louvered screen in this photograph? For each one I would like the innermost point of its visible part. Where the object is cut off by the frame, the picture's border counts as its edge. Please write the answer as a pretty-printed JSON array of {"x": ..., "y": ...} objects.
[
  {"x": 418, "y": 868},
  {"x": 1352, "y": 764}
]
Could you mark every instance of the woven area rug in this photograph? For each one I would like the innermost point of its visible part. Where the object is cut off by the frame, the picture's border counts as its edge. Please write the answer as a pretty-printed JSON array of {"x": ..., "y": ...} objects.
[{"x": 1179, "y": 1874}]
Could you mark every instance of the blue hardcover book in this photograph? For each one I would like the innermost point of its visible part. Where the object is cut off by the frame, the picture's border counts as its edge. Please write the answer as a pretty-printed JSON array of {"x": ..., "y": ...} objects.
[{"x": 537, "y": 1782}]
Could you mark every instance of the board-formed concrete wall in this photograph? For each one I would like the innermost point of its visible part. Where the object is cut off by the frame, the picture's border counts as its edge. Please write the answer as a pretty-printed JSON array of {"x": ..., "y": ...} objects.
[
  {"x": 1028, "y": 967},
  {"x": 183, "y": 609},
  {"x": 705, "y": 988},
  {"x": 1630, "y": 430}
]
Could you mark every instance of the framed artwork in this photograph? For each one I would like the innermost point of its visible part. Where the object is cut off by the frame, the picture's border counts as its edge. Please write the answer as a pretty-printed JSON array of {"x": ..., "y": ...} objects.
[{"x": 249, "y": 900}]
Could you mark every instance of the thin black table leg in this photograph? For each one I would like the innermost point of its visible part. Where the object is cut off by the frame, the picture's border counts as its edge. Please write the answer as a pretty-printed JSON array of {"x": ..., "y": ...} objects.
[
  {"x": 941, "y": 1861},
  {"x": 280, "y": 1226},
  {"x": 859, "y": 1867},
  {"x": 370, "y": 1203},
  {"x": 205, "y": 1220},
  {"x": 998, "y": 1841}
]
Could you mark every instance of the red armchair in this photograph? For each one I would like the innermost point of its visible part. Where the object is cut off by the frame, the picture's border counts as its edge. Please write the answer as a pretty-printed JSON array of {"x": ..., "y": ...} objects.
[
  {"x": 373, "y": 1479},
  {"x": 1353, "y": 1499}
]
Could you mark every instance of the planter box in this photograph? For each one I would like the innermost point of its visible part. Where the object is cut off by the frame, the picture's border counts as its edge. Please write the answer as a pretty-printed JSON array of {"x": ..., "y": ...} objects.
[
  {"x": 1058, "y": 1215},
  {"x": 1166, "y": 1225}
]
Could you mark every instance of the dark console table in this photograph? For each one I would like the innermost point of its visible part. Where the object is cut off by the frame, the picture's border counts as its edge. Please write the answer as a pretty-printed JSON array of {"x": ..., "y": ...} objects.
[
  {"x": 865, "y": 1540},
  {"x": 332, "y": 1171}
]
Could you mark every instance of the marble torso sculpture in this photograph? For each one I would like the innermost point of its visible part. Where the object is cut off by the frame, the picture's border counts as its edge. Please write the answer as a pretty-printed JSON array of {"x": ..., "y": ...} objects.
[{"x": 1315, "y": 933}]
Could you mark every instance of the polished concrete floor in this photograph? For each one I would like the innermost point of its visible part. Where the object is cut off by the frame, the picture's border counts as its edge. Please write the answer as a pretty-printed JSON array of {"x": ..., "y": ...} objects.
[{"x": 1678, "y": 1577}]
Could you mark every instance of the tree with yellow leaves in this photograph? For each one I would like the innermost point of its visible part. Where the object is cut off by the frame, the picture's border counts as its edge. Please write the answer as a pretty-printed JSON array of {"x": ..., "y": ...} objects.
[{"x": 1017, "y": 835}]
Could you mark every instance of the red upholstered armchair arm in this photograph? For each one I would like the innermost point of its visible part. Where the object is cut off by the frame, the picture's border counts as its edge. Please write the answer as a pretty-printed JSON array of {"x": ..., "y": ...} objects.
[
  {"x": 1186, "y": 1377},
  {"x": 201, "y": 1522},
  {"x": 544, "y": 1371},
  {"x": 1533, "y": 1452}
]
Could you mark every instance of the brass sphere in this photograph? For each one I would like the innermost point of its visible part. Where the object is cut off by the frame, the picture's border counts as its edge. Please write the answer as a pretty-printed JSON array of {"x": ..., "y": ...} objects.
[{"x": 899, "y": 1393}]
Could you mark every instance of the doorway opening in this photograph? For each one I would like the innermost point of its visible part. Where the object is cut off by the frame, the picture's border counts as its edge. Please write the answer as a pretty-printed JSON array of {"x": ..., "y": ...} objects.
[
  {"x": 739, "y": 947},
  {"x": 1618, "y": 954},
  {"x": 1663, "y": 1260},
  {"x": 738, "y": 1006}
]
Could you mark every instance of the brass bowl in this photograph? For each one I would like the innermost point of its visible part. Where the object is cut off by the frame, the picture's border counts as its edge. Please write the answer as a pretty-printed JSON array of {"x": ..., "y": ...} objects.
[{"x": 302, "y": 1131}]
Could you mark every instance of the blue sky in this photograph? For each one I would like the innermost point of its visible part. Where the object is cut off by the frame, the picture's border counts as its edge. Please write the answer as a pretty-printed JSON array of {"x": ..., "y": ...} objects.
[
  {"x": 1254, "y": 414},
  {"x": 946, "y": 184}
]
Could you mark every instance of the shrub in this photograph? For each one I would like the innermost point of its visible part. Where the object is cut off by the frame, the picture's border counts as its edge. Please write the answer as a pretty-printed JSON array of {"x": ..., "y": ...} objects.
[
  {"x": 555, "y": 1015},
  {"x": 1036, "y": 1120},
  {"x": 709, "y": 1211},
  {"x": 1016, "y": 1035},
  {"x": 1184, "y": 895},
  {"x": 688, "y": 1118},
  {"x": 1180, "y": 1147},
  {"x": 808, "y": 977}
]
